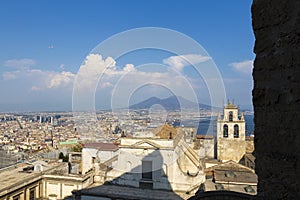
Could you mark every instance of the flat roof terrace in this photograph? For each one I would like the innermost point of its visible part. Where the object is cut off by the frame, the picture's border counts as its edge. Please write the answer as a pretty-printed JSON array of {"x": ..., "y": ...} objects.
[
  {"x": 124, "y": 192},
  {"x": 14, "y": 177}
]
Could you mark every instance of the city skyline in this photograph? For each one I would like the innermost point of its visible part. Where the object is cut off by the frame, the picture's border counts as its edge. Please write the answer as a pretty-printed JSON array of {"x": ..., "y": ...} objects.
[{"x": 44, "y": 44}]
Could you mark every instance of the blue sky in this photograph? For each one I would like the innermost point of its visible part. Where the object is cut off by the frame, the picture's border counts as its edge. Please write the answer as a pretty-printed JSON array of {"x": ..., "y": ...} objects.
[{"x": 46, "y": 40}]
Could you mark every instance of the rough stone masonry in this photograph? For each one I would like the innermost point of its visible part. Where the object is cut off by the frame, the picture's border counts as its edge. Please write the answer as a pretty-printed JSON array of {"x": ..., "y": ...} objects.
[{"x": 276, "y": 97}]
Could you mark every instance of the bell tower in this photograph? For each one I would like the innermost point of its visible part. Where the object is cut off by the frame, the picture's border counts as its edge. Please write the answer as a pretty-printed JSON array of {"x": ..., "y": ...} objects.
[{"x": 231, "y": 143}]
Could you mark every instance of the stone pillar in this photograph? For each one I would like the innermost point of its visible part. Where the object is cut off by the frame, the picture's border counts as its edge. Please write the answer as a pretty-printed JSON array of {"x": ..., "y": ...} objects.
[
  {"x": 22, "y": 196},
  {"x": 44, "y": 189},
  {"x": 27, "y": 191},
  {"x": 37, "y": 190},
  {"x": 276, "y": 97}
]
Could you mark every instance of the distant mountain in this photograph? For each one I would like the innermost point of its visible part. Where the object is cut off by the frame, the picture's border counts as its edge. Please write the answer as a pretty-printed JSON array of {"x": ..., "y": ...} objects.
[{"x": 170, "y": 104}]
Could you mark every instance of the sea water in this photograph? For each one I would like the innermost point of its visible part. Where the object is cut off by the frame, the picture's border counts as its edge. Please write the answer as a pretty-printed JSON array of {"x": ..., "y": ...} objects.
[{"x": 208, "y": 125}]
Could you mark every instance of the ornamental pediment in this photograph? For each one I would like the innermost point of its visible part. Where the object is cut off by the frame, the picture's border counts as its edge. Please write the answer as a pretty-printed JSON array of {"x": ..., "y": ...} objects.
[{"x": 146, "y": 144}]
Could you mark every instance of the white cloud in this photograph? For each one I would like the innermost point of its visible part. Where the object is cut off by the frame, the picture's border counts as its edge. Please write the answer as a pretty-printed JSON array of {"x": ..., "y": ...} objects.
[
  {"x": 106, "y": 85},
  {"x": 129, "y": 67},
  {"x": 44, "y": 79},
  {"x": 20, "y": 63},
  {"x": 112, "y": 79},
  {"x": 9, "y": 76},
  {"x": 179, "y": 62},
  {"x": 117, "y": 83},
  {"x": 93, "y": 67},
  {"x": 35, "y": 88},
  {"x": 96, "y": 67},
  {"x": 60, "y": 79},
  {"x": 243, "y": 67}
]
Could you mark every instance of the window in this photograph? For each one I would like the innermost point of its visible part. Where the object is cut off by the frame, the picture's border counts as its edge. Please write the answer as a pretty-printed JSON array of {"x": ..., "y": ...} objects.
[
  {"x": 31, "y": 194},
  {"x": 236, "y": 131},
  {"x": 147, "y": 170},
  {"x": 225, "y": 130},
  {"x": 230, "y": 116}
]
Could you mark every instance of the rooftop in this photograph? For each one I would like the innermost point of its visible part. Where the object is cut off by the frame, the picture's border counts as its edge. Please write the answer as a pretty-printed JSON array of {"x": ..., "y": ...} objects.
[
  {"x": 199, "y": 136},
  {"x": 226, "y": 189},
  {"x": 230, "y": 105},
  {"x": 101, "y": 146},
  {"x": 15, "y": 176},
  {"x": 235, "y": 177},
  {"x": 165, "y": 131},
  {"x": 231, "y": 166},
  {"x": 123, "y": 192}
]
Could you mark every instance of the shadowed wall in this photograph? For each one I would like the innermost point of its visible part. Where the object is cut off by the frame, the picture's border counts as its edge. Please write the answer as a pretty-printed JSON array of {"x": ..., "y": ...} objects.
[{"x": 276, "y": 97}]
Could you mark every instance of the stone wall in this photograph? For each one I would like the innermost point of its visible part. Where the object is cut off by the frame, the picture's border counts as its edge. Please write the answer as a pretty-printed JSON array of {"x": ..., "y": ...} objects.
[
  {"x": 230, "y": 150},
  {"x": 276, "y": 97},
  {"x": 249, "y": 145}
]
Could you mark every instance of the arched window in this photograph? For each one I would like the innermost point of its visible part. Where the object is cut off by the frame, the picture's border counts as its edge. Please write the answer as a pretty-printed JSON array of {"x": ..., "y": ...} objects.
[
  {"x": 236, "y": 131},
  {"x": 225, "y": 130},
  {"x": 230, "y": 116}
]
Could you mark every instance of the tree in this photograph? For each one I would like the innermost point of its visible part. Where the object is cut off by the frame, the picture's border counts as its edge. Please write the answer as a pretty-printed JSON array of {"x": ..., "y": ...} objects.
[
  {"x": 76, "y": 148},
  {"x": 66, "y": 158},
  {"x": 61, "y": 155}
]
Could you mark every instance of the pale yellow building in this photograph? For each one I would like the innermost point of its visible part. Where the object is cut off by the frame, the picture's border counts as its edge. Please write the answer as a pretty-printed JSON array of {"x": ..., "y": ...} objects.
[
  {"x": 231, "y": 144},
  {"x": 41, "y": 180}
]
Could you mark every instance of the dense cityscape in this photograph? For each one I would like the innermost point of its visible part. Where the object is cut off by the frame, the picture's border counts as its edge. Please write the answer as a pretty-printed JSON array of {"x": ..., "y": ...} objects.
[
  {"x": 27, "y": 135},
  {"x": 33, "y": 141}
]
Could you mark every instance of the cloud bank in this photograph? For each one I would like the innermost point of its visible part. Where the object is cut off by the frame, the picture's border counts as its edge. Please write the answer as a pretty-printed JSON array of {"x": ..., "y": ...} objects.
[
  {"x": 179, "y": 62},
  {"x": 39, "y": 79},
  {"x": 20, "y": 63},
  {"x": 102, "y": 76}
]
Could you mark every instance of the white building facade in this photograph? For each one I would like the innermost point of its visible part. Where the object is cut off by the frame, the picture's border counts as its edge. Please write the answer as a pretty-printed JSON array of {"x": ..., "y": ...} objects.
[{"x": 164, "y": 161}]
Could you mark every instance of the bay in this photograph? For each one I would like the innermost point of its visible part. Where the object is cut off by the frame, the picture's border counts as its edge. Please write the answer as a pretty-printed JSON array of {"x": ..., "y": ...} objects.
[{"x": 208, "y": 125}]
